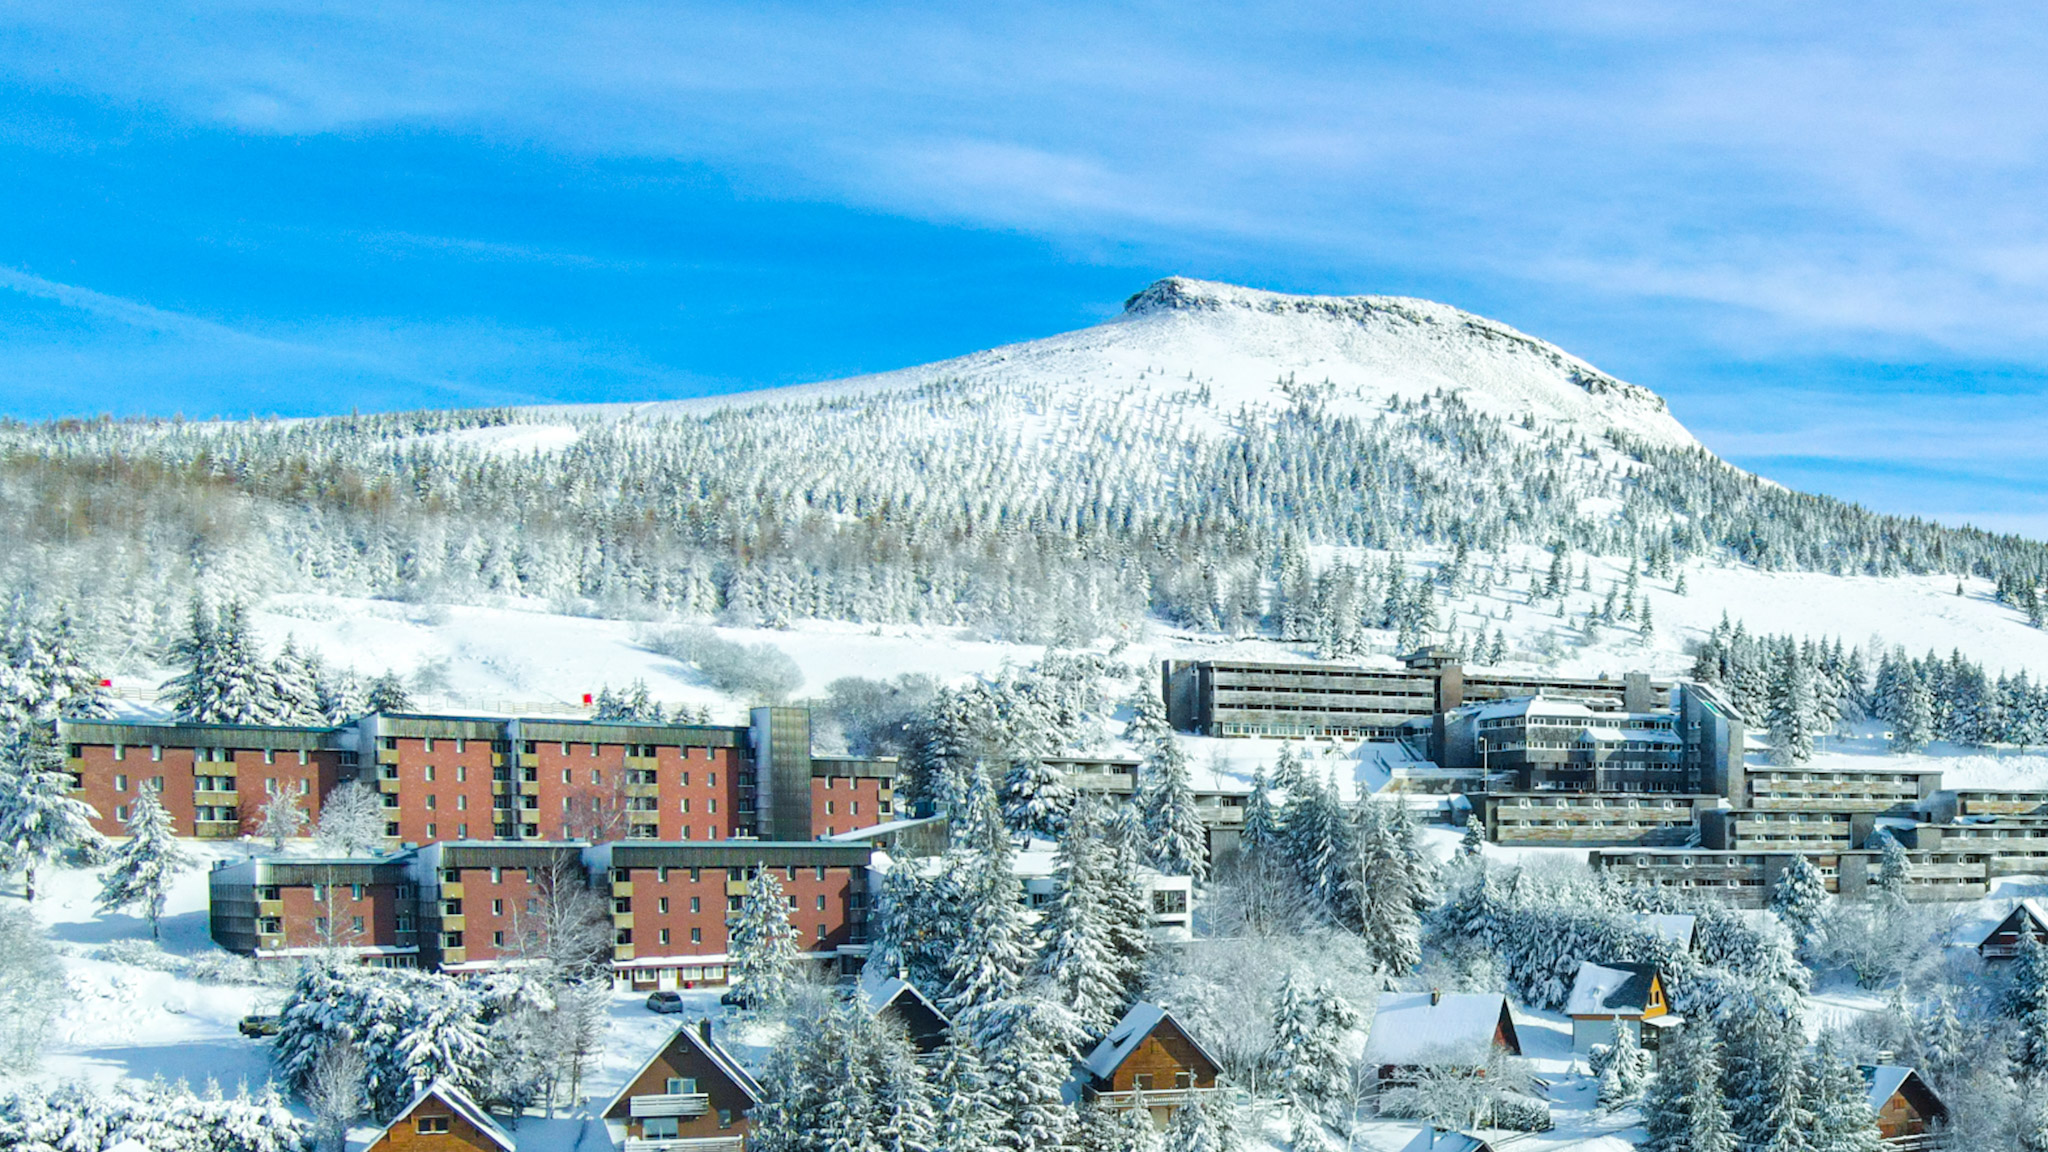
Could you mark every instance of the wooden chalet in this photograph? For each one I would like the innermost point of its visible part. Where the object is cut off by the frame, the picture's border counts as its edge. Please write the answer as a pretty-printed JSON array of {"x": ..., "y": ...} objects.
[
  {"x": 690, "y": 1096},
  {"x": 1908, "y": 1111},
  {"x": 1148, "y": 1059},
  {"x": 899, "y": 1002},
  {"x": 1608, "y": 997},
  {"x": 2003, "y": 941},
  {"x": 442, "y": 1118},
  {"x": 1414, "y": 1030}
]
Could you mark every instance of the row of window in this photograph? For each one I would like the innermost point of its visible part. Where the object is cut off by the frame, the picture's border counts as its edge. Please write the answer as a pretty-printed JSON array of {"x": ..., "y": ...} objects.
[{"x": 200, "y": 755}]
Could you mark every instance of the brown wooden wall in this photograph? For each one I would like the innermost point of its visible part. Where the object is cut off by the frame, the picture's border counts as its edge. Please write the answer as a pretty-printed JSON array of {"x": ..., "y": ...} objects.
[
  {"x": 1163, "y": 1055},
  {"x": 683, "y": 1059},
  {"x": 461, "y": 1136}
]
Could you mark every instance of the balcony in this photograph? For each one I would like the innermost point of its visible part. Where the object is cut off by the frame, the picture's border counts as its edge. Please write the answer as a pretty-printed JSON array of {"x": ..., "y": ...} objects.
[
  {"x": 622, "y": 887},
  {"x": 529, "y": 759},
  {"x": 622, "y": 919},
  {"x": 529, "y": 787},
  {"x": 387, "y": 755},
  {"x": 451, "y": 890},
  {"x": 671, "y": 1104},
  {"x": 1153, "y": 1097},
  {"x": 736, "y": 887},
  {"x": 687, "y": 1144},
  {"x": 388, "y": 785}
]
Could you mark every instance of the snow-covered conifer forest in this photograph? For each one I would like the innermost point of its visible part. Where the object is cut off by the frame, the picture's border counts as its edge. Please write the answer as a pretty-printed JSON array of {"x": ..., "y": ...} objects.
[{"x": 976, "y": 566}]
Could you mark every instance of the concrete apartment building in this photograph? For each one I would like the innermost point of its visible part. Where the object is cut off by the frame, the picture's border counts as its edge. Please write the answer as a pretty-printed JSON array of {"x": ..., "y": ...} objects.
[
  {"x": 280, "y": 908},
  {"x": 1745, "y": 878},
  {"x": 213, "y": 779}
]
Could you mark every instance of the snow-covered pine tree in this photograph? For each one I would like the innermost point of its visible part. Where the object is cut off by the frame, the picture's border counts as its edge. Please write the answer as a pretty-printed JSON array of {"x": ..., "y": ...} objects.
[
  {"x": 1036, "y": 799},
  {"x": 1387, "y": 893},
  {"x": 1030, "y": 1044},
  {"x": 764, "y": 954},
  {"x": 140, "y": 871},
  {"x": 340, "y": 695},
  {"x": 1627, "y": 1069},
  {"x": 351, "y": 819},
  {"x": 387, "y": 693},
  {"x": 294, "y": 683},
  {"x": 989, "y": 956},
  {"x": 40, "y": 821},
  {"x": 1176, "y": 839},
  {"x": 1124, "y": 898},
  {"x": 1473, "y": 843},
  {"x": 1200, "y": 1125},
  {"x": 1321, "y": 849},
  {"x": 1840, "y": 1103},
  {"x": 1683, "y": 1109},
  {"x": 2028, "y": 1005},
  {"x": 966, "y": 1119},
  {"x": 1306, "y": 1060},
  {"x": 1894, "y": 869},
  {"x": 1077, "y": 964},
  {"x": 1912, "y": 711},
  {"x": 1260, "y": 833},
  {"x": 1793, "y": 710},
  {"x": 1800, "y": 899}
]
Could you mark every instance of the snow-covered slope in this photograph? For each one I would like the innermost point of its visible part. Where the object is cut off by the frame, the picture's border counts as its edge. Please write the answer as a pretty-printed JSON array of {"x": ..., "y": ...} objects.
[{"x": 1241, "y": 347}]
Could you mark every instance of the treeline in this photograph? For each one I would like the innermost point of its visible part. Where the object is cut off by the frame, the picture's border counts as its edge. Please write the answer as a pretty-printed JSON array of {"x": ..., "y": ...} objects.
[{"x": 967, "y": 502}]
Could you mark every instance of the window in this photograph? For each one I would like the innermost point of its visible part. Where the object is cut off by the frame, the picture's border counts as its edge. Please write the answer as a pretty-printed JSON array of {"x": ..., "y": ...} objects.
[
  {"x": 725, "y": 1117},
  {"x": 664, "y": 935},
  {"x": 355, "y": 924},
  {"x": 663, "y": 904},
  {"x": 696, "y": 935},
  {"x": 682, "y": 1085},
  {"x": 355, "y": 891},
  {"x": 433, "y": 832},
  {"x": 120, "y": 783},
  {"x": 430, "y": 1125},
  {"x": 696, "y": 904},
  {"x": 661, "y": 1127}
]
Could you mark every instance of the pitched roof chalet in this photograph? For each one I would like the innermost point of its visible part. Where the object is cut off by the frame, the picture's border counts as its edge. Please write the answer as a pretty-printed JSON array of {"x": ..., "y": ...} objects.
[
  {"x": 1610, "y": 989},
  {"x": 1416, "y": 1027},
  {"x": 458, "y": 1101},
  {"x": 712, "y": 1050},
  {"x": 1130, "y": 1032}
]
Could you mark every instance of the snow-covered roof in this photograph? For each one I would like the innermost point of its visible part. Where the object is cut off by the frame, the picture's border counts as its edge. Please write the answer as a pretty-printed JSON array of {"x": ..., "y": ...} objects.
[
  {"x": 878, "y": 992},
  {"x": 1607, "y": 990},
  {"x": 1885, "y": 1080},
  {"x": 1431, "y": 1140},
  {"x": 1677, "y": 927},
  {"x": 1408, "y": 1028},
  {"x": 2031, "y": 907},
  {"x": 712, "y": 1050},
  {"x": 1130, "y": 1032},
  {"x": 459, "y": 1102}
]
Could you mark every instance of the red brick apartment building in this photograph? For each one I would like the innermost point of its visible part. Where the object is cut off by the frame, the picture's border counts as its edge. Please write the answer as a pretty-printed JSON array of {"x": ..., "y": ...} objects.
[
  {"x": 213, "y": 779},
  {"x": 464, "y": 905},
  {"x": 291, "y": 907},
  {"x": 481, "y": 778}
]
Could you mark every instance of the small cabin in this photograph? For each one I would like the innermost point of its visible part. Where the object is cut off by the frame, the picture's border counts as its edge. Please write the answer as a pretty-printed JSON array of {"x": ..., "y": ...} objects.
[
  {"x": 442, "y": 1118},
  {"x": 1423, "y": 1029},
  {"x": 1907, "y": 1109},
  {"x": 1437, "y": 1140},
  {"x": 1148, "y": 1059},
  {"x": 2003, "y": 941},
  {"x": 899, "y": 1002},
  {"x": 1606, "y": 998},
  {"x": 690, "y": 1094}
]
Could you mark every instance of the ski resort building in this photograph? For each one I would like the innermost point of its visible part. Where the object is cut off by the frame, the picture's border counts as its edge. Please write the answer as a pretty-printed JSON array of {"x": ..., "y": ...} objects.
[
  {"x": 1813, "y": 788},
  {"x": 1606, "y": 998},
  {"x": 470, "y": 905},
  {"x": 1306, "y": 700},
  {"x": 690, "y": 1096},
  {"x": 1565, "y": 819},
  {"x": 1744, "y": 878},
  {"x": 672, "y": 903},
  {"x": 212, "y": 779},
  {"x": 491, "y": 778},
  {"x": 289, "y": 907}
]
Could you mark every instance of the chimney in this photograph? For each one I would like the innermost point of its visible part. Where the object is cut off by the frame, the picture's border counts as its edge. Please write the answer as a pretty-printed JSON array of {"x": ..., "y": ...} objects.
[
  {"x": 1436, "y": 997},
  {"x": 704, "y": 1028}
]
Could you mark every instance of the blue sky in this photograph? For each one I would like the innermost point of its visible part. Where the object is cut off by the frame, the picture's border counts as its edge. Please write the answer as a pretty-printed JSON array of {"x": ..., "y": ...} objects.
[{"x": 1817, "y": 229}]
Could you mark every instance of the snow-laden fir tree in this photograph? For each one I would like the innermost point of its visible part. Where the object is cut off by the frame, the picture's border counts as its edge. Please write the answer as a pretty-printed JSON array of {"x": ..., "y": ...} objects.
[
  {"x": 1260, "y": 833},
  {"x": 139, "y": 872},
  {"x": 1200, "y": 1125},
  {"x": 1288, "y": 773},
  {"x": 1760, "y": 1074},
  {"x": 40, "y": 821},
  {"x": 340, "y": 695},
  {"x": 1321, "y": 849},
  {"x": 966, "y": 1118},
  {"x": 293, "y": 680},
  {"x": 1912, "y": 713},
  {"x": 1077, "y": 963},
  {"x": 1894, "y": 868},
  {"x": 992, "y": 949},
  {"x": 1793, "y": 711},
  {"x": 1030, "y": 1044},
  {"x": 1387, "y": 891},
  {"x": 764, "y": 952},
  {"x": 1683, "y": 1109},
  {"x": 387, "y": 693},
  {"x": 1800, "y": 899},
  {"x": 1840, "y": 1103},
  {"x": 1125, "y": 899},
  {"x": 2028, "y": 1005},
  {"x": 351, "y": 819},
  {"x": 1036, "y": 799},
  {"x": 1306, "y": 1061},
  {"x": 1624, "y": 1068},
  {"x": 1473, "y": 842},
  {"x": 1176, "y": 839}
]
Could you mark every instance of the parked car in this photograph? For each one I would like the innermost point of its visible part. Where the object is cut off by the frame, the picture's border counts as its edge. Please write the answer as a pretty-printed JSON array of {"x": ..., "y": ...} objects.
[
  {"x": 734, "y": 999},
  {"x": 665, "y": 1002},
  {"x": 260, "y": 1025}
]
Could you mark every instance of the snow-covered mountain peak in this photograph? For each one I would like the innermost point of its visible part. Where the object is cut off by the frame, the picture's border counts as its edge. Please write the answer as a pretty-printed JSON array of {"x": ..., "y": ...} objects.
[{"x": 1228, "y": 349}]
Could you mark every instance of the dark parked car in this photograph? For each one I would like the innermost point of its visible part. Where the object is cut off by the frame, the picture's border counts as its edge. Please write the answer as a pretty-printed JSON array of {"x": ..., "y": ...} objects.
[
  {"x": 260, "y": 1025},
  {"x": 734, "y": 999},
  {"x": 665, "y": 1002}
]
